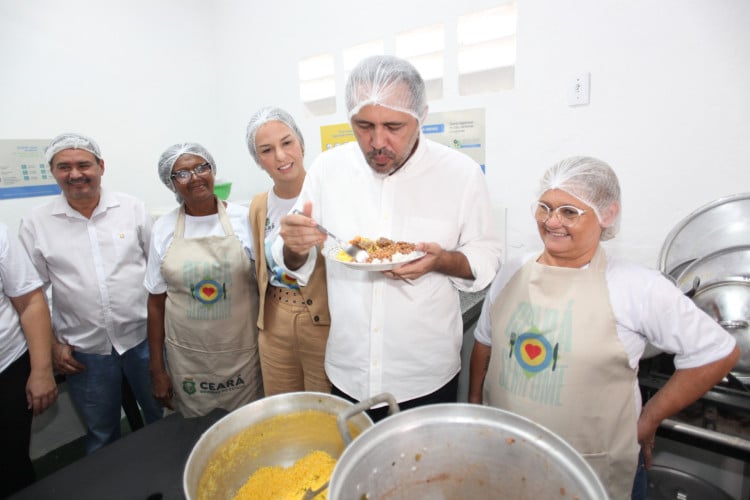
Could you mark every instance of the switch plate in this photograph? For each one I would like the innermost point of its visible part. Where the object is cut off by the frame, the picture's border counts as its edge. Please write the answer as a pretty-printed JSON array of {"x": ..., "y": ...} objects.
[{"x": 579, "y": 89}]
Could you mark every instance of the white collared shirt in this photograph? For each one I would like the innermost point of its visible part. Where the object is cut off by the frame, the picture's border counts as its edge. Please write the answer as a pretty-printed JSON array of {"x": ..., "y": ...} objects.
[
  {"x": 17, "y": 277},
  {"x": 387, "y": 335},
  {"x": 95, "y": 267}
]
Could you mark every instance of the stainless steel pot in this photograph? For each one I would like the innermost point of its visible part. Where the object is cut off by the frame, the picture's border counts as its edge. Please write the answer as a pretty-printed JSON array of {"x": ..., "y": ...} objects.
[
  {"x": 727, "y": 264},
  {"x": 283, "y": 446},
  {"x": 728, "y": 302},
  {"x": 461, "y": 451},
  {"x": 666, "y": 483},
  {"x": 723, "y": 223}
]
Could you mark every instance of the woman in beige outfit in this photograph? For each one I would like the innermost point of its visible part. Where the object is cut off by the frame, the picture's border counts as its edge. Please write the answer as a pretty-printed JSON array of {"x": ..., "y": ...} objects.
[{"x": 293, "y": 320}]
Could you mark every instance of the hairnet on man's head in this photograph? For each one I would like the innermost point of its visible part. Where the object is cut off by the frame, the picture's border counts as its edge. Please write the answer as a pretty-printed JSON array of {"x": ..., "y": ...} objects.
[
  {"x": 386, "y": 81},
  {"x": 173, "y": 153},
  {"x": 70, "y": 140},
  {"x": 263, "y": 116},
  {"x": 590, "y": 180}
]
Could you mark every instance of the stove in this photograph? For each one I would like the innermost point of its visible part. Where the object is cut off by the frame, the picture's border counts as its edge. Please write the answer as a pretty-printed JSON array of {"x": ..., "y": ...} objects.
[{"x": 719, "y": 421}]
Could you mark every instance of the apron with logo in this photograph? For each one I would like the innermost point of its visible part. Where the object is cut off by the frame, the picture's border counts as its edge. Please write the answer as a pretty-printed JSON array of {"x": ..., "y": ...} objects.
[
  {"x": 557, "y": 359},
  {"x": 211, "y": 341}
]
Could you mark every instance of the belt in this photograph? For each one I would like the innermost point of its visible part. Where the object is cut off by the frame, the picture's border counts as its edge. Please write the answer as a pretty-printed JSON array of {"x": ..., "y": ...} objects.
[{"x": 286, "y": 295}]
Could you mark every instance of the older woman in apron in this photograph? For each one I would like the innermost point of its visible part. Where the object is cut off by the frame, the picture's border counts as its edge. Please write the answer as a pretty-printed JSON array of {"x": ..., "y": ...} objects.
[
  {"x": 561, "y": 333},
  {"x": 203, "y": 301}
]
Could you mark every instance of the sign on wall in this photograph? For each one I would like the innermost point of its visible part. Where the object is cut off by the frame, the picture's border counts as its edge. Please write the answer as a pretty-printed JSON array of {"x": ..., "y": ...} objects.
[
  {"x": 463, "y": 130},
  {"x": 23, "y": 169}
]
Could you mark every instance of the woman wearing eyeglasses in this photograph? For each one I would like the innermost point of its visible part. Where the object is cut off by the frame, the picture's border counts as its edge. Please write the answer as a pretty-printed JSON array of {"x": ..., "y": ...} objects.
[
  {"x": 203, "y": 295},
  {"x": 561, "y": 333}
]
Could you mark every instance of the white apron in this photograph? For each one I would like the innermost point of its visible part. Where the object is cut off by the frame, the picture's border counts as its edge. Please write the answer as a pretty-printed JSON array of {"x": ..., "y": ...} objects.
[
  {"x": 211, "y": 342},
  {"x": 557, "y": 359}
]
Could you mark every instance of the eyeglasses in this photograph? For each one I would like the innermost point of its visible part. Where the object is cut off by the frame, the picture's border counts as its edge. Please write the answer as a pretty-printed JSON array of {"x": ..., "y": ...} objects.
[
  {"x": 184, "y": 176},
  {"x": 568, "y": 215}
]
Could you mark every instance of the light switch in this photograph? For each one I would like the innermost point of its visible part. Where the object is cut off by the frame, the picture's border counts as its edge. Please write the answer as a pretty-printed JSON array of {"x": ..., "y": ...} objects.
[{"x": 579, "y": 89}]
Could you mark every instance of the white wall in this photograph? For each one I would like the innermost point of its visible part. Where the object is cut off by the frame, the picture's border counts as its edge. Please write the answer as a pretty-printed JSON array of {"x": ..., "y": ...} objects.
[{"x": 669, "y": 106}]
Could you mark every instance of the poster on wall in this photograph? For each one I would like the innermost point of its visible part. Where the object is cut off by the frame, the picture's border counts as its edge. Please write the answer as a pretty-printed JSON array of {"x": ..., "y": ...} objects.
[
  {"x": 463, "y": 130},
  {"x": 23, "y": 169}
]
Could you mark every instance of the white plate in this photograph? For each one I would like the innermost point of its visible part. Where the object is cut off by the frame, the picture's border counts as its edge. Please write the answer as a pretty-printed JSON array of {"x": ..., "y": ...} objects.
[{"x": 385, "y": 266}]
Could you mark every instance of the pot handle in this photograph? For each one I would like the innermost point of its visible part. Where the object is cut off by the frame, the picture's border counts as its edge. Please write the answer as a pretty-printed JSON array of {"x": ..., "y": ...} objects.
[
  {"x": 363, "y": 405},
  {"x": 694, "y": 287}
]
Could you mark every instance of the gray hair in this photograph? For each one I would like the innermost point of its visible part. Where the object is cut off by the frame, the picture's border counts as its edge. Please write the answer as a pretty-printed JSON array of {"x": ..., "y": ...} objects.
[
  {"x": 173, "y": 153},
  {"x": 380, "y": 80},
  {"x": 70, "y": 140},
  {"x": 263, "y": 116},
  {"x": 590, "y": 180}
]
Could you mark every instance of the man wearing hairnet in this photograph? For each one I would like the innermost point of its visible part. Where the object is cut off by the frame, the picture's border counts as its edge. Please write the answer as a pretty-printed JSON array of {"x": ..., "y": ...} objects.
[
  {"x": 397, "y": 331},
  {"x": 91, "y": 245}
]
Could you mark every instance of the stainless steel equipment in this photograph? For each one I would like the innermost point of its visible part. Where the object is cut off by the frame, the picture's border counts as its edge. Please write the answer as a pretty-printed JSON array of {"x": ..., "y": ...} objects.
[
  {"x": 723, "y": 223},
  {"x": 728, "y": 302},
  {"x": 711, "y": 246},
  {"x": 461, "y": 451},
  {"x": 666, "y": 483}
]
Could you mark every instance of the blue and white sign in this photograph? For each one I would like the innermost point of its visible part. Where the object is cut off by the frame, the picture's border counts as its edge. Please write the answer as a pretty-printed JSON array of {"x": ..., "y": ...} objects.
[{"x": 23, "y": 170}]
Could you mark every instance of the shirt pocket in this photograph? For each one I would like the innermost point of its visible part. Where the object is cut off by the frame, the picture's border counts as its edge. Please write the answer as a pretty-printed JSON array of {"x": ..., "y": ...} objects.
[{"x": 124, "y": 242}]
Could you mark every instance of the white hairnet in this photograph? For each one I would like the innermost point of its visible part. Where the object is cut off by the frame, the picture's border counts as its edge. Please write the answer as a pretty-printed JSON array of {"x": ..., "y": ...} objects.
[
  {"x": 173, "y": 153},
  {"x": 70, "y": 140},
  {"x": 386, "y": 81},
  {"x": 265, "y": 115},
  {"x": 590, "y": 180}
]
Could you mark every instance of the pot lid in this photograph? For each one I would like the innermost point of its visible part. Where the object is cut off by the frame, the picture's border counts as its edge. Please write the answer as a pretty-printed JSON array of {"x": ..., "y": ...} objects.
[
  {"x": 727, "y": 264},
  {"x": 720, "y": 224},
  {"x": 666, "y": 483}
]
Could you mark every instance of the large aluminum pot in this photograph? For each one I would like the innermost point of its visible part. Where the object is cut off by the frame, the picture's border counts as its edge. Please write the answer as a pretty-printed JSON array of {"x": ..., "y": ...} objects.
[
  {"x": 461, "y": 451},
  {"x": 728, "y": 302},
  {"x": 727, "y": 264},
  {"x": 283, "y": 446},
  {"x": 720, "y": 224}
]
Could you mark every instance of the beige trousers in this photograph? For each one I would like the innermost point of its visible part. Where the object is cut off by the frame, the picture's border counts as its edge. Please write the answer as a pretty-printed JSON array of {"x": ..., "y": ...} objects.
[{"x": 292, "y": 348}]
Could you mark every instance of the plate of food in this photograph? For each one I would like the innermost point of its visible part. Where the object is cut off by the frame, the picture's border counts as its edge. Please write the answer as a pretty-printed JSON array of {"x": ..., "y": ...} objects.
[{"x": 384, "y": 254}]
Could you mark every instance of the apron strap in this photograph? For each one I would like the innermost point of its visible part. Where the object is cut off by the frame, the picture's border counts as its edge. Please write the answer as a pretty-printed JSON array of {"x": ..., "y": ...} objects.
[
  {"x": 224, "y": 218},
  {"x": 226, "y": 224}
]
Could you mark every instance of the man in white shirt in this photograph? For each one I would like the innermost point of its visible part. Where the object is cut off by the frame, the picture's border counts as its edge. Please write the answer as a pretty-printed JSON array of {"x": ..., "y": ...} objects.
[
  {"x": 91, "y": 245},
  {"x": 398, "y": 331}
]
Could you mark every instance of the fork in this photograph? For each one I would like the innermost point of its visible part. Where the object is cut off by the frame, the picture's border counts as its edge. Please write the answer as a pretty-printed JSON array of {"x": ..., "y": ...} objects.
[{"x": 356, "y": 253}]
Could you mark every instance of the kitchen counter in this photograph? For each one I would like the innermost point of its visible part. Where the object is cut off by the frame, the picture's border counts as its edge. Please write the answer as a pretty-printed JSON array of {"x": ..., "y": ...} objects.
[
  {"x": 471, "y": 306},
  {"x": 146, "y": 464}
]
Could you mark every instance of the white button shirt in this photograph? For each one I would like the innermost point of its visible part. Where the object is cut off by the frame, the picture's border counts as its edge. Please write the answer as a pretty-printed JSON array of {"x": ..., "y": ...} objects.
[
  {"x": 96, "y": 268},
  {"x": 387, "y": 335}
]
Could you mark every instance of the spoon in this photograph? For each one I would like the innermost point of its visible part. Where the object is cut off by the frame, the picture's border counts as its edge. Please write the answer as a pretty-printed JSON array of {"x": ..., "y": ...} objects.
[{"x": 356, "y": 253}]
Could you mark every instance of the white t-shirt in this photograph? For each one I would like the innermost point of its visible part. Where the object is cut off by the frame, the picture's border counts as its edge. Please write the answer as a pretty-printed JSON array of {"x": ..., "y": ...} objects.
[
  {"x": 276, "y": 209},
  {"x": 17, "y": 277},
  {"x": 647, "y": 308},
  {"x": 195, "y": 227}
]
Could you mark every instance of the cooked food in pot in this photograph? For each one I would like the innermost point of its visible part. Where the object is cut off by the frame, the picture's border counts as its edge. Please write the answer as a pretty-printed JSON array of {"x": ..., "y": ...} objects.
[
  {"x": 280, "y": 442},
  {"x": 309, "y": 472}
]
